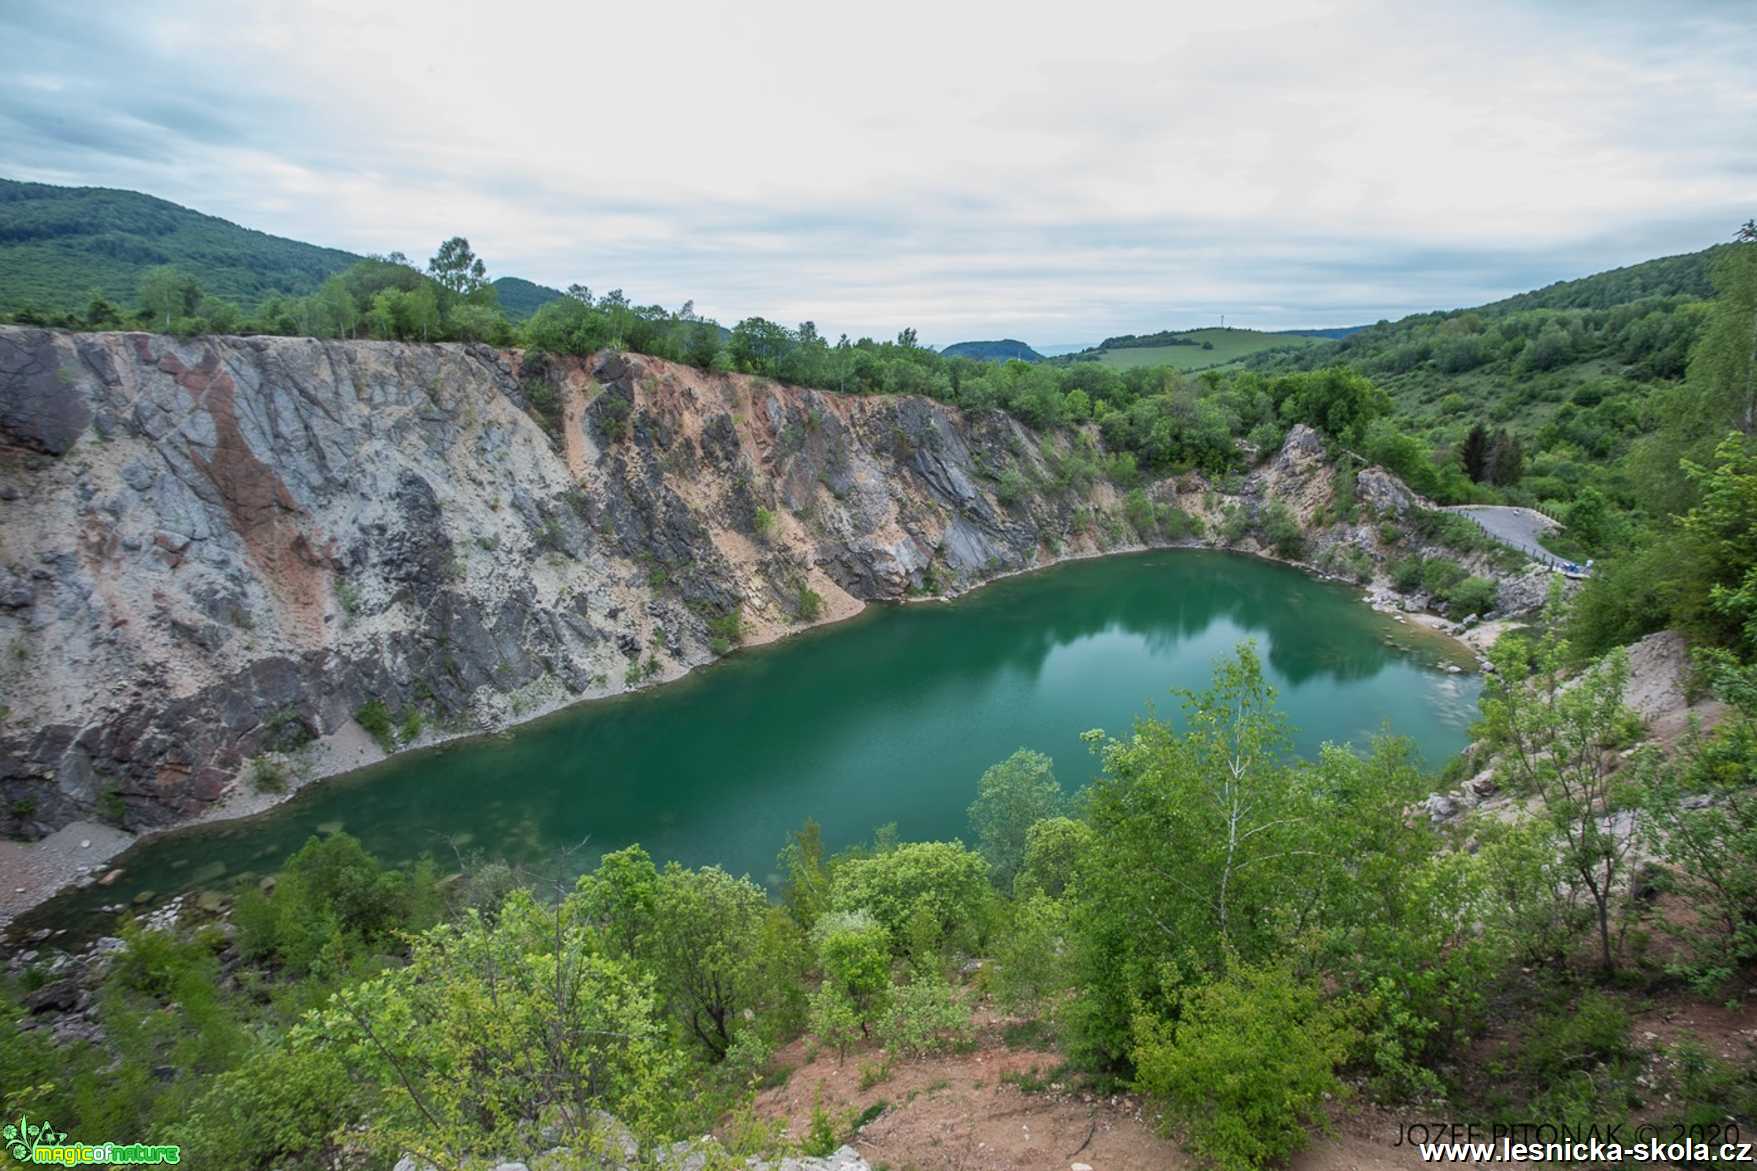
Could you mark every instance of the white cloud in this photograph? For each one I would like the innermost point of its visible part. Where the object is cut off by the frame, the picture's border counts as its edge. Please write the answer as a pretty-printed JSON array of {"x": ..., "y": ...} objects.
[{"x": 1044, "y": 172}]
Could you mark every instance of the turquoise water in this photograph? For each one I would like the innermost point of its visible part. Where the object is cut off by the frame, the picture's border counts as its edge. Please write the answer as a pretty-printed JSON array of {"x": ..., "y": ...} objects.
[{"x": 889, "y": 717}]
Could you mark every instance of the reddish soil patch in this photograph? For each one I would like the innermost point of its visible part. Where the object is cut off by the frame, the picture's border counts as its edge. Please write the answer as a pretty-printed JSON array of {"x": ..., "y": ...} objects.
[
  {"x": 967, "y": 1112},
  {"x": 1729, "y": 1033},
  {"x": 956, "y": 1113},
  {"x": 262, "y": 510}
]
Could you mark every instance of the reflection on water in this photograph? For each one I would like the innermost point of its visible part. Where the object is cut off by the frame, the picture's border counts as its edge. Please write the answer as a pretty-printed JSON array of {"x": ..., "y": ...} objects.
[{"x": 889, "y": 717}]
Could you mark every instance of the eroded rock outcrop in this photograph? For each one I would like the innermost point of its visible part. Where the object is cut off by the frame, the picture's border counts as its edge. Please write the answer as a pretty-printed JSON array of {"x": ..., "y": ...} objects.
[{"x": 220, "y": 548}]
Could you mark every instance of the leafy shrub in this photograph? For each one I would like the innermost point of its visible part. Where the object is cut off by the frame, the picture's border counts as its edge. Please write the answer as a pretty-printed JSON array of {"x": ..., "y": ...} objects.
[
  {"x": 278, "y": 1108},
  {"x": 1439, "y": 574},
  {"x": 765, "y": 522},
  {"x": 1178, "y": 525},
  {"x": 808, "y": 605},
  {"x": 1473, "y": 595},
  {"x": 1406, "y": 574},
  {"x": 1138, "y": 511},
  {"x": 1121, "y": 469},
  {"x": 834, "y": 1020},
  {"x": 1343, "y": 498},
  {"x": 1451, "y": 530},
  {"x": 1245, "y": 1068},
  {"x": 1572, "y": 1066},
  {"x": 820, "y": 1140},
  {"x": 547, "y": 1024},
  {"x": 375, "y": 718},
  {"x": 1711, "y": 846},
  {"x": 725, "y": 632},
  {"x": 944, "y": 881},
  {"x": 159, "y": 963},
  {"x": 854, "y": 953},
  {"x": 348, "y": 595},
  {"x": 1592, "y": 1032},
  {"x": 1029, "y": 962},
  {"x": 1054, "y": 847},
  {"x": 1350, "y": 561},
  {"x": 1281, "y": 529},
  {"x": 269, "y": 774},
  {"x": 1012, "y": 487},
  {"x": 1709, "y": 1091},
  {"x": 545, "y": 402},
  {"x": 924, "y": 1016},
  {"x": 706, "y": 929},
  {"x": 333, "y": 901},
  {"x": 612, "y": 412},
  {"x": 1234, "y": 524}
]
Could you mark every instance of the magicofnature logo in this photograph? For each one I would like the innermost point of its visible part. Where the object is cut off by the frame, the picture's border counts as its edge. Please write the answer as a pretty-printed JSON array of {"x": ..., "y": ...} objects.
[
  {"x": 41, "y": 1143},
  {"x": 24, "y": 1136}
]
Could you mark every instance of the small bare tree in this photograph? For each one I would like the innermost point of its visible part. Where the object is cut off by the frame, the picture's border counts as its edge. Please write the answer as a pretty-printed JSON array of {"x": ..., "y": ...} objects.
[{"x": 1558, "y": 739}]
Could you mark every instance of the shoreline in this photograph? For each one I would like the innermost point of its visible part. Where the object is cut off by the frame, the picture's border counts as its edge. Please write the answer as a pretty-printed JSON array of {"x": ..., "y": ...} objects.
[{"x": 80, "y": 853}]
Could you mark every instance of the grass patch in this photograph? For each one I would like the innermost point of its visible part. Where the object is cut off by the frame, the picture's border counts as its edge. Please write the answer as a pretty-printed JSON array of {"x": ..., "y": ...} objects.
[
  {"x": 1033, "y": 1080},
  {"x": 725, "y": 632},
  {"x": 1031, "y": 1034},
  {"x": 376, "y": 719},
  {"x": 1207, "y": 347},
  {"x": 269, "y": 774}
]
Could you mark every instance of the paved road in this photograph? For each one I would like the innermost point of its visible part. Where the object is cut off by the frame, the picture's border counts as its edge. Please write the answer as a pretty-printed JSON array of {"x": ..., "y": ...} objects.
[{"x": 1518, "y": 527}]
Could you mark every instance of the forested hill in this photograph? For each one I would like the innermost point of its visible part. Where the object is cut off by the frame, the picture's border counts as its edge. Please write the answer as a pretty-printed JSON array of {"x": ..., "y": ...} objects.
[
  {"x": 1517, "y": 358},
  {"x": 1686, "y": 275},
  {"x": 60, "y": 244},
  {"x": 1004, "y": 350},
  {"x": 1596, "y": 390},
  {"x": 519, "y": 298}
]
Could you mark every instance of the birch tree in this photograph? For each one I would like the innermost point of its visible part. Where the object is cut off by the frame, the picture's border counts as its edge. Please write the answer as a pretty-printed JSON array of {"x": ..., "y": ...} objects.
[{"x": 1558, "y": 739}]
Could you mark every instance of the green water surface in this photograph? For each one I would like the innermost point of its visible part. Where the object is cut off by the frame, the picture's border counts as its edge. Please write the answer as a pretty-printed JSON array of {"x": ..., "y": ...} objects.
[{"x": 889, "y": 717}]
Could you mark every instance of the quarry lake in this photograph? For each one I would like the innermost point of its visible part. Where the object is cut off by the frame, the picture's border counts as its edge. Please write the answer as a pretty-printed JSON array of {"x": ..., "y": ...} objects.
[{"x": 889, "y": 717}]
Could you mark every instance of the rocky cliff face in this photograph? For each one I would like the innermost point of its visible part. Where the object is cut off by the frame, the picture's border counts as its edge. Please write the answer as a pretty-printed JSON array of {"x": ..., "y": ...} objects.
[{"x": 222, "y": 550}]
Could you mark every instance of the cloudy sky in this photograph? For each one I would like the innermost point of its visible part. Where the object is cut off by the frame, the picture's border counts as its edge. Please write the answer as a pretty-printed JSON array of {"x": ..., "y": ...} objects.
[{"x": 1050, "y": 172}]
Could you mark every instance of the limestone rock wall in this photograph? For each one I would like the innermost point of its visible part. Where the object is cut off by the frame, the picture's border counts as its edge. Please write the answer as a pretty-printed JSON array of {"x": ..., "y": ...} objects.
[
  {"x": 221, "y": 549},
  {"x": 218, "y": 548}
]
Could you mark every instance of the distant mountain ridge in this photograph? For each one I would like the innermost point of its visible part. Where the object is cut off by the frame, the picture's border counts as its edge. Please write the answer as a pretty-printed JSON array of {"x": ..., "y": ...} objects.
[
  {"x": 1003, "y": 350},
  {"x": 60, "y": 244},
  {"x": 1334, "y": 333}
]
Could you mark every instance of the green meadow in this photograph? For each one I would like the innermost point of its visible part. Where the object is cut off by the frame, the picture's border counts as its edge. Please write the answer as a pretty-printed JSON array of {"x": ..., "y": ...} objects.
[{"x": 1223, "y": 346}]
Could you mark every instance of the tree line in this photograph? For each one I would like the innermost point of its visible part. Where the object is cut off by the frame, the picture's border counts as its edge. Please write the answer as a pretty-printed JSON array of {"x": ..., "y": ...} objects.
[{"x": 1586, "y": 410}]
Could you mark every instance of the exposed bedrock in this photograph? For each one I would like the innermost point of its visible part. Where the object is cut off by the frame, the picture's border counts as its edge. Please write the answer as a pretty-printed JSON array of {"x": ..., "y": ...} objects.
[{"x": 219, "y": 548}]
